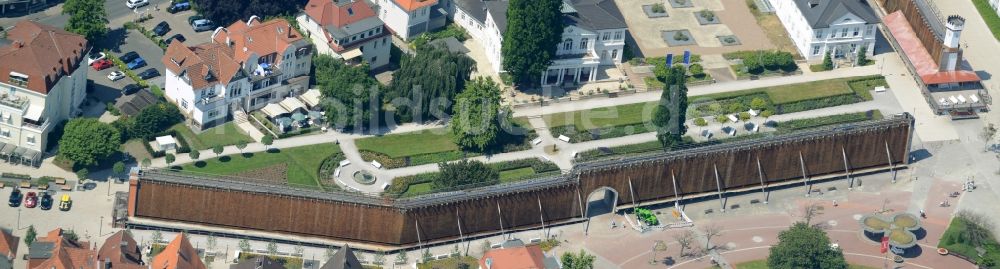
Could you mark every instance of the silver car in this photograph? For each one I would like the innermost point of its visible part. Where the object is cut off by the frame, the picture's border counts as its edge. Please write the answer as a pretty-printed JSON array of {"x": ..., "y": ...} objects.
[{"x": 202, "y": 25}]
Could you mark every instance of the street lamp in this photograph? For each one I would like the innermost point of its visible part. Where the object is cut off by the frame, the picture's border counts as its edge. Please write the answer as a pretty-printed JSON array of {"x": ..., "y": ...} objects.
[{"x": 100, "y": 227}]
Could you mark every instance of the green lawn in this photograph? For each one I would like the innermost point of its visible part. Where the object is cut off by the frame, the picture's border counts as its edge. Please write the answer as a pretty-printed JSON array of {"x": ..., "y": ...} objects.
[
  {"x": 511, "y": 175},
  {"x": 809, "y": 90},
  {"x": 762, "y": 264},
  {"x": 303, "y": 163},
  {"x": 989, "y": 15},
  {"x": 409, "y": 144},
  {"x": 222, "y": 135},
  {"x": 601, "y": 117},
  {"x": 955, "y": 240}
]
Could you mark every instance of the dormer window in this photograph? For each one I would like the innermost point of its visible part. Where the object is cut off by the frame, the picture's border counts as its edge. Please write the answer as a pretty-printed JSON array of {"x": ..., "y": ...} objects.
[{"x": 18, "y": 79}]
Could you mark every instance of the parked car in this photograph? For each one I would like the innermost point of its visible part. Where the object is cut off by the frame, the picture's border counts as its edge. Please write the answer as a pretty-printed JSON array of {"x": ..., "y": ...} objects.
[
  {"x": 95, "y": 56},
  {"x": 15, "y": 198},
  {"x": 31, "y": 200},
  {"x": 116, "y": 75},
  {"x": 130, "y": 89},
  {"x": 101, "y": 64},
  {"x": 149, "y": 73},
  {"x": 129, "y": 56},
  {"x": 161, "y": 28},
  {"x": 178, "y": 7},
  {"x": 65, "y": 203},
  {"x": 202, "y": 25},
  {"x": 136, "y": 3},
  {"x": 46, "y": 201},
  {"x": 136, "y": 63},
  {"x": 178, "y": 37},
  {"x": 194, "y": 18}
]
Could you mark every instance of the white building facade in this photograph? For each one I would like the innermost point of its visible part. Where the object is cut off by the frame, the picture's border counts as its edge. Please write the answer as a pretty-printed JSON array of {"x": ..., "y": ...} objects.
[
  {"x": 247, "y": 66},
  {"x": 43, "y": 81},
  {"x": 594, "y": 36},
  {"x": 348, "y": 30},
  {"x": 410, "y": 18},
  {"x": 840, "y": 27}
]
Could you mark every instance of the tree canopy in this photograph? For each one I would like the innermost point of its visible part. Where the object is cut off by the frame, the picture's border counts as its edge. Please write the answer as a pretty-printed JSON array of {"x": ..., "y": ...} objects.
[
  {"x": 804, "y": 246},
  {"x": 85, "y": 141},
  {"x": 153, "y": 119},
  {"x": 534, "y": 28},
  {"x": 463, "y": 173},
  {"x": 580, "y": 260},
  {"x": 87, "y": 18},
  {"x": 477, "y": 122},
  {"x": 672, "y": 109},
  {"x": 351, "y": 98},
  {"x": 225, "y": 12},
  {"x": 426, "y": 83}
]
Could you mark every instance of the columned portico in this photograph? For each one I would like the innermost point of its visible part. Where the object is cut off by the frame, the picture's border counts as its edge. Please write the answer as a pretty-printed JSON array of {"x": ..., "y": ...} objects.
[{"x": 570, "y": 74}]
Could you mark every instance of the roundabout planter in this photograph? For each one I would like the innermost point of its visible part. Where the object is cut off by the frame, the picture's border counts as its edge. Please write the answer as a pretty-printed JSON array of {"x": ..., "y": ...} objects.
[{"x": 942, "y": 251}]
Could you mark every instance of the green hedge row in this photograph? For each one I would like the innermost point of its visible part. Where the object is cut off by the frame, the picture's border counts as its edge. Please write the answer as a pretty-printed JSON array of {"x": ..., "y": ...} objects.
[
  {"x": 15, "y": 176},
  {"x": 575, "y": 135},
  {"x": 182, "y": 147},
  {"x": 801, "y": 124}
]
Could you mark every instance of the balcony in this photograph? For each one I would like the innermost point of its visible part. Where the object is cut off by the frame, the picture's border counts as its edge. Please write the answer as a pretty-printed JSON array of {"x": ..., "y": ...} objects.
[
  {"x": 38, "y": 126},
  {"x": 13, "y": 101},
  {"x": 207, "y": 100},
  {"x": 265, "y": 71}
]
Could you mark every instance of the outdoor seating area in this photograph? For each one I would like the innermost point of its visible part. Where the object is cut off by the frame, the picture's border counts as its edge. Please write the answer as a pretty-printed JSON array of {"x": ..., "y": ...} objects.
[
  {"x": 292, "y": 113},
  {"x": 20, "y": 156}
]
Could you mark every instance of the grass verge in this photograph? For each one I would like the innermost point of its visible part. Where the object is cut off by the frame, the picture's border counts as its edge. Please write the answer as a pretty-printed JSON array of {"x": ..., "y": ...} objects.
[{"x": 989, "y": 15}]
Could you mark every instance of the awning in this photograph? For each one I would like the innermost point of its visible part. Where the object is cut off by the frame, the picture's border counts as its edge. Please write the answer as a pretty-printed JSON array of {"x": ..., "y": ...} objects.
[
  {"x": 351, "y": 54},
  {"x": 311, "y": 97},
  {"x": 292, "y": 104},
  {"x": 34, "y": 113},
  {"x": 274, "y": 110},
  {"x": 7, "y": 149},
  {"x": 32, "y": 156}
]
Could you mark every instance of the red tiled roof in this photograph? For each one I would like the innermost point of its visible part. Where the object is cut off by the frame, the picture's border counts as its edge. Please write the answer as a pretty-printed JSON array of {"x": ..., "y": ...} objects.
[
  {"x": 335, "y": 12},
  {"x": 67, "y": 254},
  {"x": 914, "y": 50},
  {"x": 200, "y": 61},
  {"x": 43, "y": 53},
  {"x": 122, "y": 251},
  {"x": 179, "y": 254},
  {"x": 261, "y": 38},
  {"x": 411, "y": 5},
  {"x": 8, "y": 243},
  {"x": 529, "y": 257}
]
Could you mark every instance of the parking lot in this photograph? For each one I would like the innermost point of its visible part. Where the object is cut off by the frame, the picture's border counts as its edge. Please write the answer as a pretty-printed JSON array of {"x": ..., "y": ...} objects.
[{"x": 89, "y": 215}]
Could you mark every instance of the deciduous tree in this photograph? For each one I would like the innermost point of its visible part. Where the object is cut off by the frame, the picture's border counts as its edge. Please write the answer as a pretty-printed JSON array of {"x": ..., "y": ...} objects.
[
  {"x": 478, "y": 118},
  {"x": 87, "y": 18},
  {"x": 534, "y": 30},
  {"x": 803, "y": 246},
  {"x": 581, "y": 260},
  {"x": 86, "y": 141},
  {"x": 351, "y": 98},
  {"x": 426, "y": 83},
  {"x": 30, "y": 235}
]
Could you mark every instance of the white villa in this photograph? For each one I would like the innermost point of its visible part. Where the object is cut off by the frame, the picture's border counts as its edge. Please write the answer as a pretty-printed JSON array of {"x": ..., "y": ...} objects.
[
  {"x": 43, "y": 81},
  {"x": 246, "y": 66},
  {"x": 594, "y": 36},
  {"x": 410, "y": 18},
  {"x": 348, "y": 30},
  {"x": 840, "y": 27}
]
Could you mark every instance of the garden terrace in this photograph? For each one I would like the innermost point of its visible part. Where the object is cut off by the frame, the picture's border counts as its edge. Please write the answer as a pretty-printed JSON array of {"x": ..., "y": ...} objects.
[
  {"x": 298, "y": 166},
  {"x": 431, "y": 146},
  {"x": 400, "y": 222},
  {"x": 510, "y": 171}
]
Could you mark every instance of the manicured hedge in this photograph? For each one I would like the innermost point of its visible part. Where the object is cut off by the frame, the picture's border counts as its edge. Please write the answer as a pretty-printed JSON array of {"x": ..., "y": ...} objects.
[
  {"x": 15, "y": 176},
  {"x": 809, "y": 123},
  {"x": 182, "y": 144}
]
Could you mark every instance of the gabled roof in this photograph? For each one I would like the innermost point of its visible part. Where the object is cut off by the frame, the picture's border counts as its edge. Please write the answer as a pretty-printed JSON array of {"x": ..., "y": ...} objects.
[
  {"x": 131, "y": 105},
  {"x": 338, "y": 13},
  {"x": 63, "y": 254},
  {"x": 343, "y": 259},
  {"x": 8, "y": 243},
  {"x": 823, "y": 13},
  {"x": 498, "y": 10},
  {"x": 255, "y": 37},
  {"x": 475, "y": 8},
  {"x": 121, "y": 251},
  {"x": 529, "y": 257},
  {"x": 205, "y": 64},
  {"x": 179, "y": 254},
  {"x": 411, "y": 5},
  {"x": 43, "y": 53}
]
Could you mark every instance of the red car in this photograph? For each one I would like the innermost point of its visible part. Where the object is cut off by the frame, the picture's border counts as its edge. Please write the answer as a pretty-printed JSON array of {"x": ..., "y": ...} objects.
[
  {"x": 101, "y": 64},
  {"x": 31, "y": 200}
]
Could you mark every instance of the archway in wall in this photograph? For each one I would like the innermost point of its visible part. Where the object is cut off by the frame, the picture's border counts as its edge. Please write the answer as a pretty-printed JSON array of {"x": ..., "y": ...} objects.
[{"x": 601, "y": 201}]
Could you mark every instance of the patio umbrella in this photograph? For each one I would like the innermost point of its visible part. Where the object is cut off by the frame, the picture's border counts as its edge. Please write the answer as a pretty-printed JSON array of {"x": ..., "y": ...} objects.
[
  {"x": 283, "y": 122},
  {"x": 298, "y": 116}
]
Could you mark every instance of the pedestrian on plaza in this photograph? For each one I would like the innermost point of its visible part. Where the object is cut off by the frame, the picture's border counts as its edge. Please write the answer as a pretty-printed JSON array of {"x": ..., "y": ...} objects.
[{"x": 834, "y": 203}]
